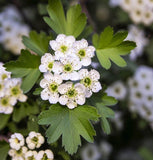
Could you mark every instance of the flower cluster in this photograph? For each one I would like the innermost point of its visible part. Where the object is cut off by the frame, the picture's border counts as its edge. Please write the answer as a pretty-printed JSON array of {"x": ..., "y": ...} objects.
[
  {"x": 20, "y": 151},
  {"x": 137, "y": 35},
  {"x": 95, "y": 152},
  {"x": 141, "y": 93},
  {"x": 66, "y": 80},
  {"x": 10, "y": 91},
  {"x": 140, "y": 11},
  {"x": 117, "y": 90},
  {"x": 12, "y": 29}
]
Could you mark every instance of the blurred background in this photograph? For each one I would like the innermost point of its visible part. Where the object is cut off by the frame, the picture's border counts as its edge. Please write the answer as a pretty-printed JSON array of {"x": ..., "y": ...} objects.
[{"x": 131, "y": 135}]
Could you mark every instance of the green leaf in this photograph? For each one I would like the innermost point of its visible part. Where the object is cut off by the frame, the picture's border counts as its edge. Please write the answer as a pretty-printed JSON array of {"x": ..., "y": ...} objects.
[
  {"x": 101, "y": 102},
  {"x": 105, "y": 125},
  {"x": 37, "y": 42},
  {"x": 37, "y": 91},
  {"x": 76, "y": 21},
  {"x": 4, "y": 119},
  {"x": 4, "y": 148},
  {"x": 71, "y": 124},
  {"x": 111, "y": 47},
  {"x": 145, "y": 153},
  {"x": 64, "y": 155},
  {"x": 24, "y": 109},
  {"x": 72, "y": 24},
  {"x": 26, "y": 67},
  {"x": 33, "y": 123}
]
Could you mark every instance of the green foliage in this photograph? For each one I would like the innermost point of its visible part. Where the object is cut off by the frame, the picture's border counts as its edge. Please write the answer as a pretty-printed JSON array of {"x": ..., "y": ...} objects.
[
  {"x": 71, "y": 124},
  {"x": 4, "y": 148},
  {"x": 64, "y": 155},
  {"x": 37, "y": 91},
  {"x": 4, "y": 119},
  {"x": 101, "y": 102},
  {"x": 26, "y": 67},
  {"x": 24, "y": 110},
  {"x": 33, "y": 123},
  {"x": 112, "y": 47},
  {"x": 145, "y": 153},
  {"x": 72, "y": 24},
  {"x": 37, "y": 42}
]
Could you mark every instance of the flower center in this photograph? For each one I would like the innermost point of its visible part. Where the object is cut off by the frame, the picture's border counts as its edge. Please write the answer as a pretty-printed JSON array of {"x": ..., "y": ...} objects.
[
  {"x": 87, "y": 81},
  {"x": 63, "y": 48},
  {"x": 71, "y": 93},
  {"x": 45, "y": 157},
  {"x": 150, "y": 98},
  {"x": 68, "y": 68},
  {"x": 19, "y": 152},
  {"x": 53, "y": 87},
  {"x": 4, "y": 101},
  {"x": 50, "y": 65},
  {"x": 117, "y": 90},
  {"x": 15, "y": 91},
  {"x": 35, "y": 139},
  {"x": 0, "y": 86},
  {"x": 138, "y": 95},
  {"x": 4, "y": 76},
  {"x": 82, "y": 53},
  {"x": 31, "y": 158}
]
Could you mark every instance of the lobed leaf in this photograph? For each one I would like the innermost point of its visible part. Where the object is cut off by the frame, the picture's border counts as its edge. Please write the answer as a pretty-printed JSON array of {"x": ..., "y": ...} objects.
[
  {"x": 38, "y": 43},
  {"x": 101, "y": 102},
  {"x": 27, "y": 68},
  {"x": 111, "y": 47},
  {"x": 73, "y": 23},
  {"x": 70, "y": 124}
]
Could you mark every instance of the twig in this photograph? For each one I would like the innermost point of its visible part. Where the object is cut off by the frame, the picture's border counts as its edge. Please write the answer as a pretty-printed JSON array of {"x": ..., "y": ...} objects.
[{"x": 85, "y": 10}]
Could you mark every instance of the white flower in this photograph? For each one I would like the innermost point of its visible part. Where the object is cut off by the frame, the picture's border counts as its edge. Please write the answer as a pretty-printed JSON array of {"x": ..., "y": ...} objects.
[
  {"x": 117, "y": 90},
  {"x": 62, "y": 46},
  {"x": 3, "y": 73},
  {"x": 2, "y": 89},
  {"x": 16, "y": 141},
  {"x": 143, "y": 73},
  {"x": 50, "y": 83},
  {"x": 34, "y": 140},
  {"x": 137, "y": 35},
  {"x": 105, "y": 149},
  {"x": 30, "y": 155},
  {"x": 126, "y": 4},
  {"x": 70, "y": 67},
  {"x": 18, "y": 154},
  {"x": 147, "y": 17},
  {"x": 141, "y": 94},
  {"x": 117, "y": 120},
  {"x": 90, "y": 81},
  {"x": 13, "y": 89},
  {"x": 90, "y": 152},
  {"x": 71, "y": 94},
  {"x": 6, "y": 104},
  {"x": 12, "y": 28},
  {"x": 47, "y": 154},
  {"x": 48, "y": 63},
  {"x": 84, "y": 52}
]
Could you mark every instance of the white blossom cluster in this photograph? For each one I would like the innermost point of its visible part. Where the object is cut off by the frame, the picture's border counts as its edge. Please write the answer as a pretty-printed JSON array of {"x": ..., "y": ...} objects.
[
  {"x": 66, "y": 80},
  {"x": 34, "y": 140},
  {"x": 96, "y": 152},
  {"x": 12, "y": 29},
  {"x": 10, "y": 91},
  {"x": 141, "y": 93},
  {"x": 140, "y": 11},
  {"x": 117, "y": 90},
  {"x": 137, "y": 35}
]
